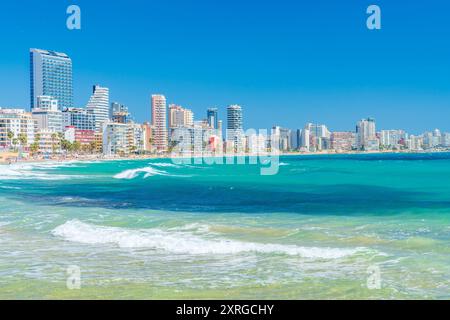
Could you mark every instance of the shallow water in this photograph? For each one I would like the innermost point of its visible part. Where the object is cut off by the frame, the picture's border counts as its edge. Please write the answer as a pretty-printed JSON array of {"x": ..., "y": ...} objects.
[{"x": 150, "y": 229}]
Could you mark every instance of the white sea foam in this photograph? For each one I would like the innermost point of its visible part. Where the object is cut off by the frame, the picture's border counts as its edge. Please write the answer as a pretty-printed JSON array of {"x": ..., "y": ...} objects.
[
  {"x": 185, "y": 242},
  {"x": 10, "y": 188},
  {"x": 193, "y": 227},
  {"x": 35, "y": 171},
  {"x": 133, "y": 173},
  {"x": 164, "y": 165},
  {"x": 149, "y": 172},
  {"x": 28, "y": 172}
]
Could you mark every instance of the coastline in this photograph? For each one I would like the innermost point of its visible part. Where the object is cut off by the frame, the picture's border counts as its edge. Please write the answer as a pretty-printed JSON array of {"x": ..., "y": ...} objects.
[{"x": 83, "y": 158}]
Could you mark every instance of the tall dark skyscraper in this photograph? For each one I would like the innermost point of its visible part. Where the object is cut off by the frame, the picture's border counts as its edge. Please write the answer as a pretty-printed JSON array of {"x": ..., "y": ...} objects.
[{"x": 212, "y": 116}]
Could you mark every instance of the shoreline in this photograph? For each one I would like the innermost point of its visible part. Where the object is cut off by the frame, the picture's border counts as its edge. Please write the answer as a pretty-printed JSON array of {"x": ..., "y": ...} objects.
[{"x": 101, "y": 158}]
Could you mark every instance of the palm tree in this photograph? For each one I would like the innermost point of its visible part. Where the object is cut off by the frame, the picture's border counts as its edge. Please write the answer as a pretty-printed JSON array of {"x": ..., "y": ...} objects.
[
  {"x": 23, "y": 139},
  {"x": 66, "y": 145},
  {"x": 10, "y": 137},
  {"x": 92, "y": 147},
  {"x": 54, "y": 142},
  {"x": 35, "y": 145},
  {"x": 76, "y": 146}
]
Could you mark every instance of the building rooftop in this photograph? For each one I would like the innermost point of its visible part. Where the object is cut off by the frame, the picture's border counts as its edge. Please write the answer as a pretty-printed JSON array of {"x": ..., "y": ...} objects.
[{"x": 50, "y": 53}]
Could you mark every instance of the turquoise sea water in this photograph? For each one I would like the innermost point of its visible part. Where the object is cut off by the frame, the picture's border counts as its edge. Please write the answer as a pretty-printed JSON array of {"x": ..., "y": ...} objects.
[{"x": 149, "y": 229}]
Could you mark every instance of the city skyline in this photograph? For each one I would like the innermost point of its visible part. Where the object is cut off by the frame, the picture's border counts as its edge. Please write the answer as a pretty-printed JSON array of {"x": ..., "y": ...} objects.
[
  {"x": 100, "y": 96},
  {"x": 348, "y": 74},
  {"x": 172, "y": 125}
]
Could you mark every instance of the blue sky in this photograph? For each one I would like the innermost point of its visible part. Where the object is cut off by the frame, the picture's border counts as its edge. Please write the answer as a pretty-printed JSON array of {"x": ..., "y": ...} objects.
[{"x": 287, "y": 62}]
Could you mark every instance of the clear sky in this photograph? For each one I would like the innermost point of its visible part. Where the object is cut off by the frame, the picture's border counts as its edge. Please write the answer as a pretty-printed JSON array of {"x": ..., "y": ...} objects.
[{"x": 287, "y": 62}]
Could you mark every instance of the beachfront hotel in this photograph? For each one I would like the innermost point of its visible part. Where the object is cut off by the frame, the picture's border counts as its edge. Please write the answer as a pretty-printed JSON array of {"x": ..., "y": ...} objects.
[
  {"x": 51, "y": 75},
  {"x": 159, "y": 122}
]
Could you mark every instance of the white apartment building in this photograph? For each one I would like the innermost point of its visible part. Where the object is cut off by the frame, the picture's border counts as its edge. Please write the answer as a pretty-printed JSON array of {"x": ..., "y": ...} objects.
[
  {"x": 123, "y": 138},
  {"x": 366, "y": 136},
  {"x": 391, "y": 138},
  {"x": 18, "y": 122},
  {"x": 98, "y": 105},
  {"x": 115, "y": 138},
  {"x": 159, "y": 122}
]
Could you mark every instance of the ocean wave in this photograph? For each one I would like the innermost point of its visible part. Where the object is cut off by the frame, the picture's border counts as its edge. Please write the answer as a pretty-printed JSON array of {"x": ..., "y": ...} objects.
[
  {"x": 28, "y": 172},
  {"x": 184, "y": 242},
  {"x": 193, "y": 227},
  {"x": 10, "y": 188},
  {"x": 133, "y": 173},
  {"x": 164, "y": 164},
  {"x": 149, "y": 172}
]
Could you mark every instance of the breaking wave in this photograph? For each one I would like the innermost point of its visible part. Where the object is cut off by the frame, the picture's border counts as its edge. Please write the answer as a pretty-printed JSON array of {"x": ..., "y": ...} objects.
[
  {"x": 31, "y": 171},
  {"x": 149, "y": 172},
  {"x": 133, "y": 173},
  {"x": 164, "y": 165},
  {"x": 185, "y": 242}
]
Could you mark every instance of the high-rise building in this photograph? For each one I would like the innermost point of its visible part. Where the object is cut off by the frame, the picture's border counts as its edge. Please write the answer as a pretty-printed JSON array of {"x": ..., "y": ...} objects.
[
  {"x": 51, "y": 75},
  {"x": 366, "y": 135},
  {"x": 319, "y": 136},
  {"x": 119, "y": 113},
  {"x": 212, "y": 117},
  {"x": 220, "y": 128},
  {"x": 296, "y": 139},
  {"x": 98, "y": 105},
  {"x": 115, "y": 139},
  {"x": 446, "y": 139},
  {"x": 47, "y": 115},
  {"x": 305, "y": 140},
  {"x": 283, "y": 136},
  {"x": 180, "y": 117},
  {"x": 136, "y": 138},
  {"x": 392, "y": 138},
  {"x": 318, "y": 130},
  {"x": 415, "y": 143},
  {"x": 234, "y": 117},
  {"x": 159, "y": 122},
  {"x": 79, "y": 118},
  {"x": 257, "y": 143},
  {"x": 118, "y": 107},
  {"x": 235, "y": 128},
  {"x": 148, "y": 133},
  {"x": 123, "y": 138},
  {"x": 49, "y": 120},
  {"x": 342, "y": 141},
  {"x": 189, "y": 117}
]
